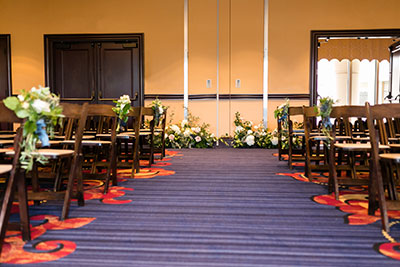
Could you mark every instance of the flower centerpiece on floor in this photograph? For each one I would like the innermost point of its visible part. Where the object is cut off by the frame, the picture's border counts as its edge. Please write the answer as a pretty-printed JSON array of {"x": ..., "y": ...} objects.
[
  {"x": 189, "y": 134},
  {"x": 122, "y": 108},
  {"x": 249, "y": 135},
  {"x": 41, "y": 111}
]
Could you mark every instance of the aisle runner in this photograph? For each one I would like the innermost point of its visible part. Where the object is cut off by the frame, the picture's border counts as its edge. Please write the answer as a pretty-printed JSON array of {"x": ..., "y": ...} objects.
[
  {"x": 50, "y": 250},
  {"x": 353, "y": 201}
]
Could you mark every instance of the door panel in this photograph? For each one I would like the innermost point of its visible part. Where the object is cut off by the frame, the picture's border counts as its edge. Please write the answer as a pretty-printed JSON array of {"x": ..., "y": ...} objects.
[
  {"x": 118, "y": 68},
  {"x": 97, "y": 68},
  {"x": 74, "y": 72},
  {"x": 4, "y": 68}
]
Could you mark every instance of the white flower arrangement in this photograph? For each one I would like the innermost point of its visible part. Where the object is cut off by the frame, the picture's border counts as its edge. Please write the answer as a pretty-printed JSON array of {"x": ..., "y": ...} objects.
[
  {"x": 189, "y": 134},
  {"x": 247, "y": 134},
  {"x": 41, "y": 110},
  {"x": 122, "y": 108}
]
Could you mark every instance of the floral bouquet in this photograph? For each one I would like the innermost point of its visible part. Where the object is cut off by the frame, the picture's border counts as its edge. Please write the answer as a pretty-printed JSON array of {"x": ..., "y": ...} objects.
[
  {"x": 282, "y": 114},
  {"x": 159, "y": 110},
  {"x": 189, "y": 134},
  {"x": 41, "y": 111},
  {"x": 122, "y": 108},
  {"x": 248, "y": 135},
  {"x": 325, "y": 109}
]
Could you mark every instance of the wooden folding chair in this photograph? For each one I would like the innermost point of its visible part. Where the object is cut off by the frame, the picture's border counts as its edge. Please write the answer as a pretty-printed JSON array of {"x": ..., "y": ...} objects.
[
  {"x": 295, "y": 153},
  {"x": 348, "y": 148},
  {"x": 75, "y": 114},
  {"x": 381, "y": 178},
  {"x": 103, "y": 152},
  {"x": 146, "y": 144},
  {"x": 160, "y": 130},
  {"x": 15, "y": 180},
  {"x": 316, "y": 151}
]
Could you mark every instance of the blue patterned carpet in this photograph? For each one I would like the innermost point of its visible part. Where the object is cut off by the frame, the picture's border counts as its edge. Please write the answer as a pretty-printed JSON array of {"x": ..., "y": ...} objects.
[{"x": 222, "y": 207}]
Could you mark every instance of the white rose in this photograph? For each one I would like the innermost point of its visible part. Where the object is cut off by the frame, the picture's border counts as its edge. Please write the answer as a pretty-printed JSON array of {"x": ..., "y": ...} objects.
[
  {"x": 41, "y": 106},
  {"x": 274, "y": 140},
  {"x": 160, "y": 110},
  {"x": 197, "y": 138},
  {"x": 196, "y": 130},
  {"x": 256, "y": 127},
  {"x": 175, "y": 128},
  {"x": 212, "y": 135},
  {"x": 21, "y": 98},
  {"x": 171, "y": 137},
  {"x": 249, "y": 132},
  {"x": 166, "y": 135},
  {"x": 239, "y": 129},
  {"x": 125, "y": 99},
  {"x": 25, "y": 105},
  {"x": 249, "y": 140},
  {"x": 186, "y": 133},
  {"x": 184, "y": 123}
]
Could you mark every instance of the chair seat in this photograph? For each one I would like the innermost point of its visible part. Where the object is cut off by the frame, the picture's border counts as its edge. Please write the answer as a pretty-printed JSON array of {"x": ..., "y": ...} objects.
[
  {"x": 394, "y": 145},
  {"x": 319, "y": 137},
  {"x": 360, "y": 138},
  {"x": 342, "y": 137},
  {"x": 87, "y": 142},
  {"x": 7, "y": 136},
  {"x": 393, "y": 139},
  {"x": 390, "y": 156},
  {"x": 86, "y": 137},
  {"x": 119, "y": 136},
  {"x": 4, "y": 150},
  {"x": 51, "y": 142},
  {"x": 4, "y": 168},
  {"x": 6, "y": 142},
  {"x": 359, "y": 147},
  {"x": 50, "y": 153}
]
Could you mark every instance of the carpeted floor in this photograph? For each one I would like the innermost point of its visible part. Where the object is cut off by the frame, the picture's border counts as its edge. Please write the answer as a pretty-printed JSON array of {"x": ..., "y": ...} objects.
[{"x": 221, "y": 207}]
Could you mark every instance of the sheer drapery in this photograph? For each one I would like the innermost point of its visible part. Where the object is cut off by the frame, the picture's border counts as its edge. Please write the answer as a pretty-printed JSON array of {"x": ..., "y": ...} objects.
[{"x": 354, "y": 82}]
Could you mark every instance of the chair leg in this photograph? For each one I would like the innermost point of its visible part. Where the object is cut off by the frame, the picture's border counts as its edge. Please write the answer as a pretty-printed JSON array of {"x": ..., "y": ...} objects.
[
  {"x": 35, "y": 181},
  {"x": 23, "y": 206},
  {"x": 80, "y": 192},
  {"x": 333, "y": 181},
  {"x": 69, "y": 191},
  {"x": 6, "y": 208}
]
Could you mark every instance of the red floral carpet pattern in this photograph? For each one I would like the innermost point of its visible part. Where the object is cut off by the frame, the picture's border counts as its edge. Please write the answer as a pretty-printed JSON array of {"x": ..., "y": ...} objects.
[
  {"x": 13, "y": 251},
  {"x": 353, "y": 201}
]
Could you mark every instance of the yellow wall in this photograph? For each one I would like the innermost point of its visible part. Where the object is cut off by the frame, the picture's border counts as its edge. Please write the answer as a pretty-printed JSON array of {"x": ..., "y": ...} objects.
[
  {"x": 290, "y": 23},
  {"x": 161, "y": 21}
]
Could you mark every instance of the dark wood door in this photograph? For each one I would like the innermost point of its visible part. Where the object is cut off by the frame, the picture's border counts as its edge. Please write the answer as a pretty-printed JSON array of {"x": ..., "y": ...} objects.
[
  {"x": 95, "y": 68},
  {"x": 118, "y": 71},
  {"x": 74, "y": 72},
  {"x": 5, "y": 81}
]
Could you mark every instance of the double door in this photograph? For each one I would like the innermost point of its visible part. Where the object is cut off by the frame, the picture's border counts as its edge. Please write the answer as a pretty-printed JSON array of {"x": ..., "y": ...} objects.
[{"x": 96, "y": 71}]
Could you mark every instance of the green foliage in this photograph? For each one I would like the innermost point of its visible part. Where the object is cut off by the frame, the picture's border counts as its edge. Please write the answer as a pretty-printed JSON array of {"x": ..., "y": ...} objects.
[
  {"x": 248, "y": 135},
  {"x": 188, "y": 134},
  {"x": 324, "y": 110},
  {"x": 32, "y": 106},
  {"x": 122, "y": 108},
  {"x": 282, "y": 114},
  {"x": 159, "y": 110}
]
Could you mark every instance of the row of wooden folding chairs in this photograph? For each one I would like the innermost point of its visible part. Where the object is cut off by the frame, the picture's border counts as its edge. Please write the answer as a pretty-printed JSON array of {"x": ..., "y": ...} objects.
[
  {"x": 68, "y": 154},
  {"x": 364, "y": 139}
]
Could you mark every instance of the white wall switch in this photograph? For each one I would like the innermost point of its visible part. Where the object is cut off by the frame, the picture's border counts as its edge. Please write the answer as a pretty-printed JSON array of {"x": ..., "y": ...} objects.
[
  {"x": 208, "y": 83},
  {"x": 237, "y": 83}
]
